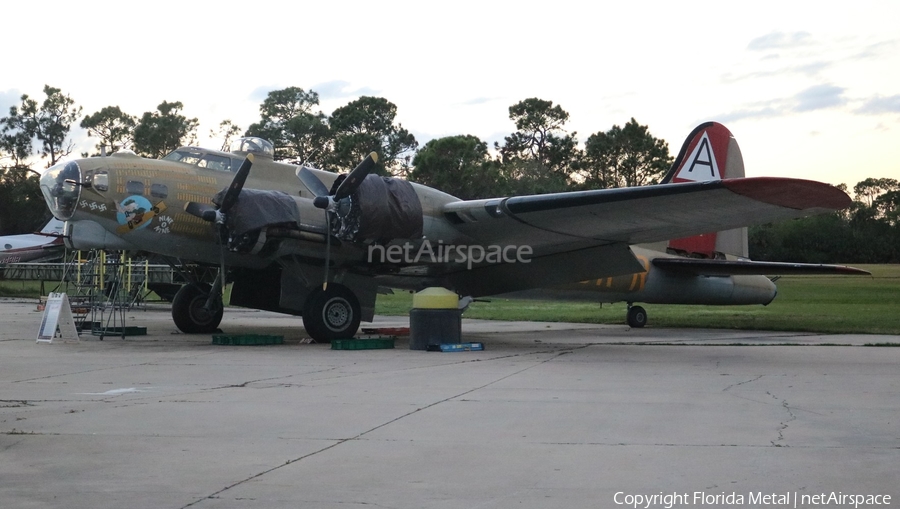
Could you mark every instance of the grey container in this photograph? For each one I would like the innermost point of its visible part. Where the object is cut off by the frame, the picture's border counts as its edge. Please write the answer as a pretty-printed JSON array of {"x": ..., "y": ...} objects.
[{"x": 434, "y": 327}]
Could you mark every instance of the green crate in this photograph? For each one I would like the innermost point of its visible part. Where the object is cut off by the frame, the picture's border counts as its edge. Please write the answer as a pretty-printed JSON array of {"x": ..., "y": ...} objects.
[
  {"x": 247, "y": 339},
  {"x": 364, "y": 343}
]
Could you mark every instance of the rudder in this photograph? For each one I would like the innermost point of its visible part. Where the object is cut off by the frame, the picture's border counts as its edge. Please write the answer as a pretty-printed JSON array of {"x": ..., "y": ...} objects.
[{"x": 709, "y": 153}]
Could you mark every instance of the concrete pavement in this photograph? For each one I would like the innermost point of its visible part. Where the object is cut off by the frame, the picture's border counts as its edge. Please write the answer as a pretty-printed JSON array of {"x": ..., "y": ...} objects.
[{"x": 549, "y": 415}]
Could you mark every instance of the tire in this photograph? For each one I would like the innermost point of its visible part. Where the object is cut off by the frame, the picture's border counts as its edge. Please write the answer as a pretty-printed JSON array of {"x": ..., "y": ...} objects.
[
  {"x": 188, "y": 310},
  {"x": 331, "y": 314},
  {"x": 637, "y": 317}
]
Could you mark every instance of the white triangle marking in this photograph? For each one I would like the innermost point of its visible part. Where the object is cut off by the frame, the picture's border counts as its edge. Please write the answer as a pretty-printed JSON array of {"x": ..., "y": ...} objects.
[{"x": 701, "y": 165}]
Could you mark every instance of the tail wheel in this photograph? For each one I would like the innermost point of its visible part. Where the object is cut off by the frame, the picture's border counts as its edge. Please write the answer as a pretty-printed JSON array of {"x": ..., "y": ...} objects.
[
  {"x": 332, "y": 313},
  {"x": 189, "y": 310},
  {"x": 637, "y": 317}
]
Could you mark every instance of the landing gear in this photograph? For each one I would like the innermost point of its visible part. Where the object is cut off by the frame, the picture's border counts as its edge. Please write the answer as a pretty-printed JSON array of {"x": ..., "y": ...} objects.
[
  {"x": 637, "y": 317},
  {"x": 190, "y": 312},
  {"x": 332, "y": 313}
]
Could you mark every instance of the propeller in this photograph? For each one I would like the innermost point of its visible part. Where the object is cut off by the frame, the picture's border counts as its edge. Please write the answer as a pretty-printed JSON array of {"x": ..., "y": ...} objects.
[
  {"x": 328, "y": 202},
  {"x": 218, "y": 214}
]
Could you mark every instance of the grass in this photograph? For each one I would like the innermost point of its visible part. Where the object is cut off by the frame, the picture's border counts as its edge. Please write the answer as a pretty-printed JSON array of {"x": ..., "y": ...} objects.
[
  {"x": 32, "y": 289},
  {"x": 827, "y": 304},
  {"x": 24, "y": 289}
]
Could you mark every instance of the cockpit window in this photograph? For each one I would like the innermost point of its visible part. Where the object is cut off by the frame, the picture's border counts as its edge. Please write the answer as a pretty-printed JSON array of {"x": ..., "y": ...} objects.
[
  {"x": 101, "y": 180},
  {"x": 183, "y": 157},
  {"x": 210, "y": 161},
  {"x": 214, "y": 162}
]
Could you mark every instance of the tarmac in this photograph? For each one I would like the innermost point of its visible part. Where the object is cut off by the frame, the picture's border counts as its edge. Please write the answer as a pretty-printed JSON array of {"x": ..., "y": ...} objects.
[{"x": 549, "y": 415}]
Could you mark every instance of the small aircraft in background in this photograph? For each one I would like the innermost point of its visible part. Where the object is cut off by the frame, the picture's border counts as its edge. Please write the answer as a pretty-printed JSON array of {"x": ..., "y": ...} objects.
[
  {"x": 44, "y": 246},
  {"x": 307, "y": 242}
]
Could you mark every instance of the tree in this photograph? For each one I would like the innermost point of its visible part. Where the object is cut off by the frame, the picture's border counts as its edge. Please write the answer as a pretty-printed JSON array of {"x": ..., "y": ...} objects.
[
  {"x": 48, "y": 122},
  {"x": 540, "y": 156},
  {"x": 160, "y": 132},
  {"x": 22, "y": 207},
  {"x": 458, "y": 165},
  {"x": 114, "y": 128},
  {"x": 888, "y": 206},
  {"x": 227, "y": 131},
  {"x": 863, "y": 234},
  {"x": 868, "y": 190},
  {"x": 15, "y": 145},
  {"x": 288, "y": 121},
  {"x": 366, "y": 125},
  {"x": 624, "y": 157}
]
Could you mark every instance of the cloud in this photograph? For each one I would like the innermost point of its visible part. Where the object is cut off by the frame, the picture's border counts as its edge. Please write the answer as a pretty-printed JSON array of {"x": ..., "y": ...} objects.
[
  {"x": 779, "y": 40},
  {"x": 479, "y": 100},
  {"x": 8, "y": 99},
  {"x": 876, "y": 50},
  {"x": 810, "y": 69},
  {"x": 338, "y": 89},
  {"x": 328, "y": 90},
  {"x": 878, "y": 105},
  {"x": 753, "y": 111},
  {"x": 260, "y": 94},
  {"x": 819, "y": 97}
]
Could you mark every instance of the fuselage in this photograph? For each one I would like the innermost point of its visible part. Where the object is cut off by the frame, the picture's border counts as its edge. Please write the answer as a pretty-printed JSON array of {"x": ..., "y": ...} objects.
[
  {"x": 124, "y": 202},
  {"x": 658, "y": 286}
]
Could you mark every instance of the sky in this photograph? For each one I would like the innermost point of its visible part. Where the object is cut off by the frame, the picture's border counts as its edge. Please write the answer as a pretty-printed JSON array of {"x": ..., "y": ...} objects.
[{"x": 809, "y": 90}]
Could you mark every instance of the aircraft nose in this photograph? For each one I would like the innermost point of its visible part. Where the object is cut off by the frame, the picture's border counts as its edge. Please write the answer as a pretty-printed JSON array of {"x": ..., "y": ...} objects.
[{"x": 61, "y": 187}]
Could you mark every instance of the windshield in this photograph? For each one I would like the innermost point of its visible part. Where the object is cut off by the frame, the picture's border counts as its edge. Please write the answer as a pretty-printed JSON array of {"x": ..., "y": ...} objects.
[{"x": 61, "y": 186}]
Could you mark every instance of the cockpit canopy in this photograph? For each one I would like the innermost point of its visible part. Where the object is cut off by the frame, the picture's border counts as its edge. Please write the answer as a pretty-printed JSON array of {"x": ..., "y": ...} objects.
[
  {"x": 253, "y": 145},
  {"x": 222, "y": 161}
]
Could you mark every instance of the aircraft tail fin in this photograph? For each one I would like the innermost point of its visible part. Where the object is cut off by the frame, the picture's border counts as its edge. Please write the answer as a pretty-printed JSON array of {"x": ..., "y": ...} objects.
[
  {"x": 54, "y": 227},
  {"x": 709, "y": 153}
]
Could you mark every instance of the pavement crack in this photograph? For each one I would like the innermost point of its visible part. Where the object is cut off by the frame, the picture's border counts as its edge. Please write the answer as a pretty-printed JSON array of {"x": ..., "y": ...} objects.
[
  {"x": 382, "y": 425},
  {"x": 14, "y": 403},
  {"x": 742, "y": 383},
  {"x": 783, "y": 425}
]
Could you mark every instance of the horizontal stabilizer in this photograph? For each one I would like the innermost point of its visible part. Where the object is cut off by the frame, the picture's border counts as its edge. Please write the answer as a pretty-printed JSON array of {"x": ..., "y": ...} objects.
[{"x": 747, "y": 268}]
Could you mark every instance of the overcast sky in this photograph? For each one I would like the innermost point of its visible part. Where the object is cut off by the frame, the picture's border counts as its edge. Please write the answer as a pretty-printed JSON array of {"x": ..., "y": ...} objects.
[{"x": 809, "y": 90}]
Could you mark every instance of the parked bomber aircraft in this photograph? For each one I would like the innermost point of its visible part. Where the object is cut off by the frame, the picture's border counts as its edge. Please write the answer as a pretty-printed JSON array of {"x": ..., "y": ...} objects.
[
  {"x": 307, "y": 242},
  {"x": 46, "y": 245}
]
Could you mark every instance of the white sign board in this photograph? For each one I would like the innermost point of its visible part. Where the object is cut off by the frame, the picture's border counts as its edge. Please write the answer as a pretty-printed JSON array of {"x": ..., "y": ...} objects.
[{"x": 57, "y": 315}]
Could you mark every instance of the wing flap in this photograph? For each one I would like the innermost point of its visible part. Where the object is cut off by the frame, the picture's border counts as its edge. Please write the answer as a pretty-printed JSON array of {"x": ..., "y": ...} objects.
[{"x": 747, "y": 268}]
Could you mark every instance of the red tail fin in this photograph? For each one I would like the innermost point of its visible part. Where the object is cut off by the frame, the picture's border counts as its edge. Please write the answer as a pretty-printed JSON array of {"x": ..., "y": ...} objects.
[{"x": 710, "y": 152}]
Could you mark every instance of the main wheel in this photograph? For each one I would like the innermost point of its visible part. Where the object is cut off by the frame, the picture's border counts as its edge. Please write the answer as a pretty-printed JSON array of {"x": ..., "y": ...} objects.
[
  {"x": 189, "y": 310},
  {"x": 637, "y": 317},
  {"x": 331, "y": 314}
]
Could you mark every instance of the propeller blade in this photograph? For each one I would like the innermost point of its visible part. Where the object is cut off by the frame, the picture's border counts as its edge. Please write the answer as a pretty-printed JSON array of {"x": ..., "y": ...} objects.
[
  {"x": 223, "y": 241},
  {"x": 311, "y": 181},
  {"x": 355, "y": 178},
  {"x": 327, "y": 247},
  {"x": 237, "y": 184},
  {"x": 201, "y": 210}
]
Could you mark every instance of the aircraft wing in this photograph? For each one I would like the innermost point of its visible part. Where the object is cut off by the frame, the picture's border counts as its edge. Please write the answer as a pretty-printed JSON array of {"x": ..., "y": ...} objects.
[
  {"x": 551, "y": 222},
  {"x": 699, "y": 267}
]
